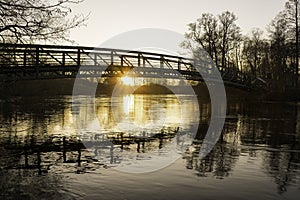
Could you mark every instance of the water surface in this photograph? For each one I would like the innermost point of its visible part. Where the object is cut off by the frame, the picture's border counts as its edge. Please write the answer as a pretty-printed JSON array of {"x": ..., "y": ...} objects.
[{"x": 49, "y": 151}]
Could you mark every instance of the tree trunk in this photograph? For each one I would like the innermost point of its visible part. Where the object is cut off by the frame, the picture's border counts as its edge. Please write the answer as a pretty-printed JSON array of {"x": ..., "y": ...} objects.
[{"x": 297, "y": 44}]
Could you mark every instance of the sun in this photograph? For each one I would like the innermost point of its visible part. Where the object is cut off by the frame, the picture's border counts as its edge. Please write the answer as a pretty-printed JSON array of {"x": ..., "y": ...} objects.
[{"x": 126, "y": 80}]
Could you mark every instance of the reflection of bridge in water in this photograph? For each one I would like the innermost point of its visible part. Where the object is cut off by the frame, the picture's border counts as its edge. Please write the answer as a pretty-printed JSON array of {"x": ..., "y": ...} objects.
[
  {"x": 264, "y": 135},
  {"x": 39, "y": 145},
  {"x": 30, "y": 62},
  {"x": 35, "y": 154}
]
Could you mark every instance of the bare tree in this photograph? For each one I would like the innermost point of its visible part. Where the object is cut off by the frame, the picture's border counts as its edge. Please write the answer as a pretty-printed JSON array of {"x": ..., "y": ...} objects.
[
  {"x": 255, "y": 52},
  {"x": 229, "y": 34},
  {"x": 27, "y": 21},
  {"x": 278, "y": 51},
  {"x": 217, "y": 35},
  {"x": 204, "y": 32},
  {"x": 291, "y": 15}
]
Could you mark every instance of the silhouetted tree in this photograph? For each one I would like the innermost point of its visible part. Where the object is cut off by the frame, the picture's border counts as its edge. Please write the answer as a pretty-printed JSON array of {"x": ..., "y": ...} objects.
[
  {"x": 279, "y": 38},
  {"x": 217, "y": 35},
  {"x": 291, "y": 15},
  {"x": 255, "y": 53},
  {"x": 33, "y": 20},
  {"x": 204, "y": 32},
  {"x": 229, "y": 34},
  {"x": 275, "y": 59}
]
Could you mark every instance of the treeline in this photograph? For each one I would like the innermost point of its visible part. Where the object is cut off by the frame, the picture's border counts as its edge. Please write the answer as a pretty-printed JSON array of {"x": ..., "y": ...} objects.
[{"x": 274, "y": 58}]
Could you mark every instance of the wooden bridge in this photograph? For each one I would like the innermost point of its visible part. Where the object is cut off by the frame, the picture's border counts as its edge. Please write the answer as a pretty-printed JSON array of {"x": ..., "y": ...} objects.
[{"x": 31, "y": 62}]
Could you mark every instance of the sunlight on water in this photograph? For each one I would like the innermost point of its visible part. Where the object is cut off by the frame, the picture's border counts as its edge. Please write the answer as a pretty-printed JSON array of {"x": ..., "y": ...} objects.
[
  {"x": 126, "y": 80},
  {"x": 132, "y": 81},
  {"x": 128, "y": 104},
  {"x": 44, "y": 154}
]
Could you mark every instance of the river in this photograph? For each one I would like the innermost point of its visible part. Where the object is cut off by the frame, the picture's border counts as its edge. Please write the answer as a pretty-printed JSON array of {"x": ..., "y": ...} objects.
[{"x": 53, "y": 149}]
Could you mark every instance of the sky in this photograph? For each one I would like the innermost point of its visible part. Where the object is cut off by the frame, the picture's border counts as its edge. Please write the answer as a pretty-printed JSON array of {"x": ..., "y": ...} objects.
[{"x": 109, "y": 18}]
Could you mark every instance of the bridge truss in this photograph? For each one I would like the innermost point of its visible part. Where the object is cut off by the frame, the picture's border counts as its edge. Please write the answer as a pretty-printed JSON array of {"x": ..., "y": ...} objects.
[{"x": 31, "y": 62}]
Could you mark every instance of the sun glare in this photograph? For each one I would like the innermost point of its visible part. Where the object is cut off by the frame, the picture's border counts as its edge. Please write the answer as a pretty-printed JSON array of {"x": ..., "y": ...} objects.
[{"x": 127, "y": 81}]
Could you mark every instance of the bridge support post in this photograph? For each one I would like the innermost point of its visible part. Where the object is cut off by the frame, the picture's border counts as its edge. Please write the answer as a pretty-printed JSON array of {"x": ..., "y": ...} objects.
[
  {"x": 95, "y": 59},
  {"x": 161, "y": 62},
  {"x": 122, "y": 61},
  {"x": 139, "y": 60},
  {"x": 24, "y": 59},
  {"x": 37, "y": 53},
  {"x": 24, "y": 63},
  {"x": 78, "y": 57},
  {"x": 64, "y": 62},
  {"x": 111, "y": 57}
]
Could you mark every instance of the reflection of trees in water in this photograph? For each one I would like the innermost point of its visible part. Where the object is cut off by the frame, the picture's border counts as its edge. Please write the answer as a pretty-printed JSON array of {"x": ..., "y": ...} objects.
[
  {"x": 155, "y": 118},
  {"x": 27, "y": 150},
  {"x": 31, "y": 144},
  {"x": 272, "y": 129},
  {"x": 220, "y": 161},
  {"x": 266, "y": 130},
  {"x": 283, "y": 167},
  {"x": 31, "y": 139},
  {"x": 24, "y": 184}
]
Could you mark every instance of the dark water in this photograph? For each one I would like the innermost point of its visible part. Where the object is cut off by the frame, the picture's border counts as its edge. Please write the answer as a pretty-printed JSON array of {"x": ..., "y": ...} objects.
[{"x": 44, "y": 155}]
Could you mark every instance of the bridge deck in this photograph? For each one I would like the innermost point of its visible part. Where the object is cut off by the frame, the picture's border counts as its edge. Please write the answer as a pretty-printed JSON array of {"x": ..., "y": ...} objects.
[{"x": 23, "y": 62}]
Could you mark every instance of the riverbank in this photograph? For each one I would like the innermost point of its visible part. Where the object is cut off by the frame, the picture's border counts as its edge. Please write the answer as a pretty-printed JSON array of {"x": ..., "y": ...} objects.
[{"x": 65, "y": 87}]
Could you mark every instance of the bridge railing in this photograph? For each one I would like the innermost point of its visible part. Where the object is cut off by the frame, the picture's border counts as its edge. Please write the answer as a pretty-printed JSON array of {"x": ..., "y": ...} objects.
[
  {"x": 32, "y": 55},
  {"x": 23, "y": 61}
]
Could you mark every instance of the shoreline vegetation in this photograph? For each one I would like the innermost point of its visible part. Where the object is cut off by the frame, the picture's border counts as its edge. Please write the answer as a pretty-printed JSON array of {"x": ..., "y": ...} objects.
[
  {"x": 55, "y": 87},
  {"x": 271, "y": 55}
]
